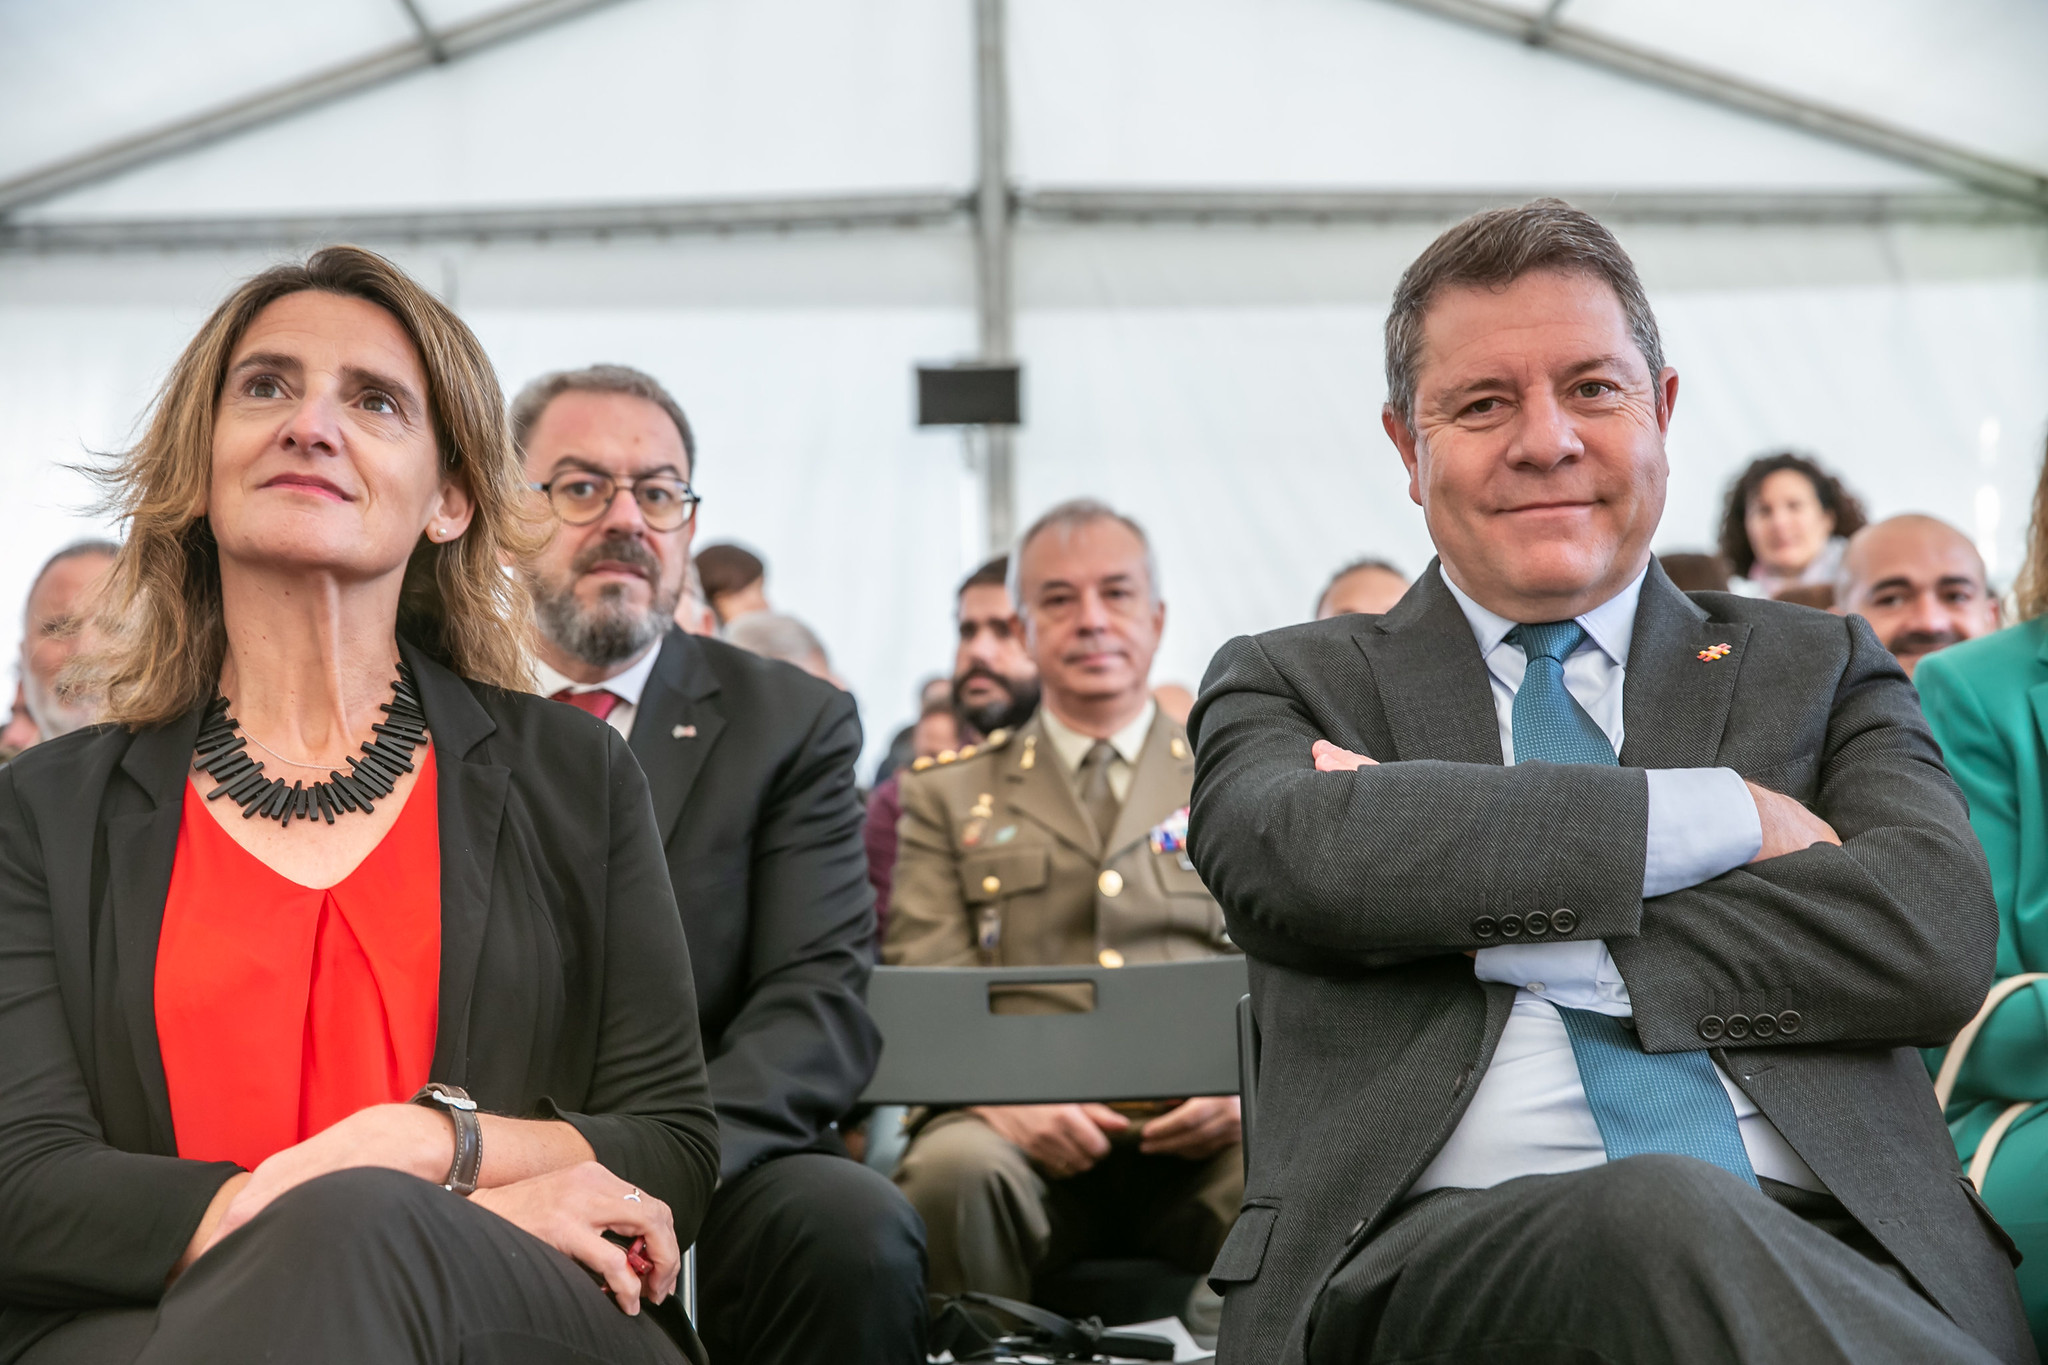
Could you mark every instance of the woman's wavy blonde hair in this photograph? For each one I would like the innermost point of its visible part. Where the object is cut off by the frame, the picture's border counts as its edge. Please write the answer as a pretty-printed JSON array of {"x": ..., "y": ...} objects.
[
  {"x": 2030, "y": 588},
  {"x": 161, "y": 611}
]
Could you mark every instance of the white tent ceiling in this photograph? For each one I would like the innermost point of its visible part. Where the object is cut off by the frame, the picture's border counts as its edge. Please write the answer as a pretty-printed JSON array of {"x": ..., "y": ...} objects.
[{"x": 1837, "y": 218}]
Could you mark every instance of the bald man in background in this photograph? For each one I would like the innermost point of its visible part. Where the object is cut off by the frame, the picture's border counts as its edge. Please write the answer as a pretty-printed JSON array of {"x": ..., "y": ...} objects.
[
  {"x": 1921, "y": 585},
  {"x": 1370, "y": 586}
]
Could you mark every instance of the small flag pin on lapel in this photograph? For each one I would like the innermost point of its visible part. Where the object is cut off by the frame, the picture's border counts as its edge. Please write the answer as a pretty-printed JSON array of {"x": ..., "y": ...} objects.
[
  {"x": 1713, "y": 653},
  {"x": 690, "y": 731}
]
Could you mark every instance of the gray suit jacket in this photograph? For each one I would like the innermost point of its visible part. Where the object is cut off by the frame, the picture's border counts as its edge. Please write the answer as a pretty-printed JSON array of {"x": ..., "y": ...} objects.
[{"x": 1357, "y": 895}]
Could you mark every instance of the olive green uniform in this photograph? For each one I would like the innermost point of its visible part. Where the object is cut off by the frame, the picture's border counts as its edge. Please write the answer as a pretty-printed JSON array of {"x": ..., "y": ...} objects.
[{"x": 999, "y": 864}]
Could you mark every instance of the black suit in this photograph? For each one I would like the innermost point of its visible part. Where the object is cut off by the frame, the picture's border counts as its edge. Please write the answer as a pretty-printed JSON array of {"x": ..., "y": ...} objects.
[
  {"x": 1357, "y": 895},
  {"x": 564, "y": 992},
  {"x": 806, "y": 1255}
]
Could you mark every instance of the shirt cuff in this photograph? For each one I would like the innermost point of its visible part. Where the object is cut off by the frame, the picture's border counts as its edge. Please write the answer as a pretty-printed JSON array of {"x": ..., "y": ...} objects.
[{"x": 1703, "y": 822}]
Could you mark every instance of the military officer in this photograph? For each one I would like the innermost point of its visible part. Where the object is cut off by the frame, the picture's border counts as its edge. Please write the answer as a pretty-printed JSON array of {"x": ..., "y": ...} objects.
[{"x": 1065, "y": 842}]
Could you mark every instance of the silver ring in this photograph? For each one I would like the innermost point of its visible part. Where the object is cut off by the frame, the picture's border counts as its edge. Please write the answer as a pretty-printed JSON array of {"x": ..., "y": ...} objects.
[{"x": 635, "y": 1195}]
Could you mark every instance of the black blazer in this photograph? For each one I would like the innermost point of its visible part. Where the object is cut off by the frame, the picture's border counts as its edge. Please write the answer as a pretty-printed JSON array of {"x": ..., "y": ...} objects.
[
  {"x": 751, "y": 764},
  {"x": 1356, "y": 896},
  {"x": 564, "y": 993}
]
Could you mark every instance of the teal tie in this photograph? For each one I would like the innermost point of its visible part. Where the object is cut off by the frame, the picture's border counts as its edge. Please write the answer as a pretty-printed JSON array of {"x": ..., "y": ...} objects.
[{"x": 1670, "y": 1102}]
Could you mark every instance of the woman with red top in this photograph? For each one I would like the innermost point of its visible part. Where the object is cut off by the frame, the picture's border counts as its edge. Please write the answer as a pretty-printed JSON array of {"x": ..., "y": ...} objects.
[{"x": 344, "y": 1008}]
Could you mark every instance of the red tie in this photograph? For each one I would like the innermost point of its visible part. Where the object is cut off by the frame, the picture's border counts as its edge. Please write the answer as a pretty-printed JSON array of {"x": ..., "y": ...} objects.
[{"x": 597, "y": 701}]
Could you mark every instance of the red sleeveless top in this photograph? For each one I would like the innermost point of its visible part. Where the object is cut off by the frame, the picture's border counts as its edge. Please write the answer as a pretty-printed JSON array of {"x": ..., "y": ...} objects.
[{"x": 282, "y": 1008}]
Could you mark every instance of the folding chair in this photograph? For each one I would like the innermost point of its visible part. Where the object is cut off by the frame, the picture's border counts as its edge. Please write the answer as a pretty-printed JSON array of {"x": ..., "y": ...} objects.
[{"x": 1164, "y": 1030}]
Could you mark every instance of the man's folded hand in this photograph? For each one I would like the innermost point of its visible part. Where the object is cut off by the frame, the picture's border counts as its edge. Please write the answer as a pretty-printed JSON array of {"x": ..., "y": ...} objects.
[
  {"x": 1788, "y": 826},
  {"x": 1331, "y": 759}
]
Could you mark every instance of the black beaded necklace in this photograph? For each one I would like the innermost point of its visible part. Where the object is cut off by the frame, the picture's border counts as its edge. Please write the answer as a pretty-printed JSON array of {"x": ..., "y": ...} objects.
[{"x": 223, "y": 757}]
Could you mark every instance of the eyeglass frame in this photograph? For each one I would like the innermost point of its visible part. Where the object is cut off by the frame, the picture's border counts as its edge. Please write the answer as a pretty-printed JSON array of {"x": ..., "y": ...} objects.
[{"x": 691, "y": 498}]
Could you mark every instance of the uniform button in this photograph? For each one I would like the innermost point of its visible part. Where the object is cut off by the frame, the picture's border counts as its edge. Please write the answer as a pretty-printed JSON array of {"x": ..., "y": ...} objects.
[
  {"x": 1712, "y": 1026},
  {"x": 1763, "y": 1025},
  {"x": 1486, "y": 926},
  {"x": 1110, "y": 883},
  {"x": 1537, "y": 923},
  {"x": 1738, "y": 1026},
  {"x": 1536, "y": 988},
  {"x": 1564, "y": 921},
  {"x": 1788, "y": 1023},
  {"x": 1510, "y": 926},
  {"x": 991, "y": 884},
  {"x": 1110, "y": 957}
]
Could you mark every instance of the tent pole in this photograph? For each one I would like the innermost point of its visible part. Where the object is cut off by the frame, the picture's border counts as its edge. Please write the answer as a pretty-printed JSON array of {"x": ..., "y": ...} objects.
[{"x": 993, "y": 207}]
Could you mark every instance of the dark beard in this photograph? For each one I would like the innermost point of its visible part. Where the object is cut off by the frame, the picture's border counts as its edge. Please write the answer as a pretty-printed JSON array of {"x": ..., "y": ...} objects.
[
  {"x": 998, "y": 715},
  {"x": 611, "y": 631}
]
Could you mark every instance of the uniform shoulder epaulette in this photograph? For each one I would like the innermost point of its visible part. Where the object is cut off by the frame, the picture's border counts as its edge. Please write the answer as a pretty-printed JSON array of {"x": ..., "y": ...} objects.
[{"x": 948, "y": 757}]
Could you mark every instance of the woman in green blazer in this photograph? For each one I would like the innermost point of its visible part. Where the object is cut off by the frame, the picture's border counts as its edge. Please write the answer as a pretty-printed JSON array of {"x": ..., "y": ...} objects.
[{"x": 1987, "y": 701}]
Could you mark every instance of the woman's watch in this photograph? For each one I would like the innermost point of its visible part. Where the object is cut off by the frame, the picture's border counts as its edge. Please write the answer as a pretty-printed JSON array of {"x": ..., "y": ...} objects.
[{"x": 455, "y": 1102}]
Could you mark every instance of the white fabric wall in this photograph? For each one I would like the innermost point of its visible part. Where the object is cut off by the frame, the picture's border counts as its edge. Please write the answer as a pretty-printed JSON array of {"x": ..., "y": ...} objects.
[{"x": 1221, "y": 383}]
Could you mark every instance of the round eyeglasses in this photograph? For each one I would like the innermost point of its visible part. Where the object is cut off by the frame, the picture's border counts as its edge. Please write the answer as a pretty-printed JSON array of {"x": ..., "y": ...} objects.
[{"x": 581, "y": 496}]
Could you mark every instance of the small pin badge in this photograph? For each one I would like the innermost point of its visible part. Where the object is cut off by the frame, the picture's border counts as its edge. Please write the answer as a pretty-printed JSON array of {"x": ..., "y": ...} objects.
[
  {"x": 684, "y": 732},
  {"x": 1714, "y": 653},
  {"x": 1179, "y": 747},
  {"x": 1030, "y": 758}
]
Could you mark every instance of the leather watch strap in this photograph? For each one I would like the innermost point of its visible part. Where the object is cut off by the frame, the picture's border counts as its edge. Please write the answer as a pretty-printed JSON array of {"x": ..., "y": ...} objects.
[{"x": 455, "y": 1102}]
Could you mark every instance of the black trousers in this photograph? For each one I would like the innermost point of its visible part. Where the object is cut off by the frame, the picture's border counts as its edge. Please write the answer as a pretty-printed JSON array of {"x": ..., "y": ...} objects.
[
  {"x": 1639, "y": 1262},
  {"x": 370, "y": 1265},
  {"x": 812, "y": 1259}
]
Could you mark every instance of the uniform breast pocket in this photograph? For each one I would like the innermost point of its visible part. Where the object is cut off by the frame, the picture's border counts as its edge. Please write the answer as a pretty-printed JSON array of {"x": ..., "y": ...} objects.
[
  {"x": 1177, "y": 874},
  {"x": 991, "y": 878}
]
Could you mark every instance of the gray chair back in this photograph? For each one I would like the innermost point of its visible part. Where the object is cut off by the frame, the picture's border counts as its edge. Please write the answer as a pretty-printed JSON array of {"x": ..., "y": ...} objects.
[{"x": 1165, "y": 1030}]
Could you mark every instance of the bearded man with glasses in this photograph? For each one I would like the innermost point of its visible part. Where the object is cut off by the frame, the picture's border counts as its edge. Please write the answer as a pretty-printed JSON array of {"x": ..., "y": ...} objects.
[{"x": 805, "y": 1255}]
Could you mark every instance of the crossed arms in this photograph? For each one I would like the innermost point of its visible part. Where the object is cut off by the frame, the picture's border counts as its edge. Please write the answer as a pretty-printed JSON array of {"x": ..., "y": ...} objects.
[{"x": 1886, "y": 938}]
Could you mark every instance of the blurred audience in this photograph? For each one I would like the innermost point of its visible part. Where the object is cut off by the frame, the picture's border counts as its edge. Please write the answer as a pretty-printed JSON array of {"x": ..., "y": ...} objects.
[
  {"x": 806, "y": 1255},
  {"x": 1175, "y": 700},
  {"x": 56, "y": 628},
  {"x": 735, "y": 581},
  {"x": 1691, "y": 572},
  {"x": 1786, "y": 522},
  {"x": 1369, "y": 586},
  {"x": 994, "y": 689},
  {"x": 923, "y": 737},
  {"x": 775, "y": 636},
  {"x": 1062, "y": 842},
  {"x": 1982, "y": 698},
  {"x": 20, "y": 731},
  {"x": 1819, "y": 596},
  {"x": 1920, "y": 583},
  {"x": 693, "y": 613}
]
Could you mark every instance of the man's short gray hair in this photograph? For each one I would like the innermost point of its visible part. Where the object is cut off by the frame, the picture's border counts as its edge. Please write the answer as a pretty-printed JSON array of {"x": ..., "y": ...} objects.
[
  {"x": 1494, "y": 249},
  {"x": 77, "y": 549},
  {"x": 775, "y": 636},
  {"x": 533, "y": 400},
  {"x": 1071, "y": 516}
]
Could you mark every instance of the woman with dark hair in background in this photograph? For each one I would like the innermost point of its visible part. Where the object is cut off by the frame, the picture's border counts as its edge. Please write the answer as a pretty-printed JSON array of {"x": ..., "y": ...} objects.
[
  {"x": 329, "y": 859},
  {"x": 1786, "y": 524},
  {"x": 1984, "y": 699}
]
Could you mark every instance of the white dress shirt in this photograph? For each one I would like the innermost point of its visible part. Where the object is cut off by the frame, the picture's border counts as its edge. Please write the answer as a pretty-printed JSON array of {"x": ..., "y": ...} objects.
[
  {"x": 627, "y": 687},
  {"x": 1070, "y": 746},
  {"x": 1529, "y": 1115}
]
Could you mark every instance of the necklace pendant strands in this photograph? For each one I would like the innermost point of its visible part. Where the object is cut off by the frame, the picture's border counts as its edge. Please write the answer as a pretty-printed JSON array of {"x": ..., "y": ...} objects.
[{"x": 222, "y": 753}]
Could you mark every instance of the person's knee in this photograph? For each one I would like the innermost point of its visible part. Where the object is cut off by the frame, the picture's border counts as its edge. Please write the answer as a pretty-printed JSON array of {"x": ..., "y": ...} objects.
[
  {"x": 336, "y": 1209},
  {"x": 1653, "y": 1206},
  {"x": 961, "y": 1162},
  {"x": 847, "y": 1219}
]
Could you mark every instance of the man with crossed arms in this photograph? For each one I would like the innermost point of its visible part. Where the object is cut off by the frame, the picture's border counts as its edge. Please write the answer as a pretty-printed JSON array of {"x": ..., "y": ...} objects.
[{"x": 1592, "y": 924}]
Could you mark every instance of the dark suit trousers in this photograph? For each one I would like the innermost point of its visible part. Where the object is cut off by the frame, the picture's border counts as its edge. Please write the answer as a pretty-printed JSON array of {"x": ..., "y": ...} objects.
[
  {"x": 1640, "y": 1262},
  {"x": 811, "y": 1259},
  {"x": 370, "y": 1265}
]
